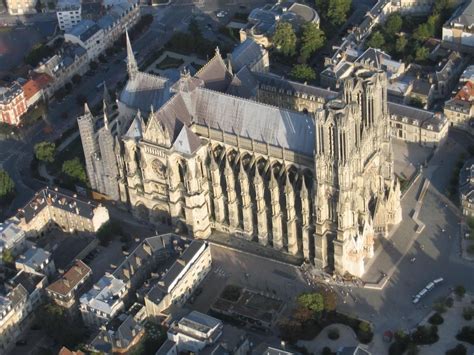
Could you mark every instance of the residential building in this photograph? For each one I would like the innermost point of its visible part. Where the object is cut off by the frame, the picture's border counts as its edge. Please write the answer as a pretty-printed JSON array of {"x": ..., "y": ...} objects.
[
  {"x": 61, "y": 67},
  {"x": 36, "y": 260},
  {"x": 418, "y": 126},
  {"x": 195, "y": 331},
  {"x": 458, "y": 31},
  {"x": 12, "y": 104},
  {"x": 63, "y": 209},
  {"x": 263, "y": 21},
  {"x": 265, "y": 349},
  {"x": 66, "y": 290},
  {"x": 66, "y": 351},
  {"x": 353, "y": 350},
  {"x": 17, "y": 305},
  {"x": 120, "y": 334},
  {"x": 181, "y": 280},
  {"x": 460, "y": 109},
  {"x": 467, "y": 75},
  {"x": 21, "y": 7},
  {"x": 35, "y": 88},
  {"x": 89, "y": 36},
  {"x": 466, "y": 188},
  {"x": 103, "y": 301},
  {"x": 119, "y": 17},
  {"x": 68, "y": 13},
  {"x": 12, "y": 238},
  {"x": 139, "y": 264}
]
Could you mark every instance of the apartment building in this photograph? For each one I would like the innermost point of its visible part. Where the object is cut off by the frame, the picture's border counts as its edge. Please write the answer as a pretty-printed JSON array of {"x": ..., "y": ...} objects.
[
  {"x": 89, "y": 36},
  {"x": 68, "y": 13},
  {"x": 63, "y": 209},
  {"x": 458, "y": 31},
  {"x": 36, "y": 260},
  {"x": 23, "y": 295},
  {"x": 12, "y": 104},
  {"x": 21, "y": 7},
  {"x": 103, "y": 301},
  {"x": 177, "y": 285},
  {"x": 12, "y": 238},
  {"x": 460, "y": 109},
  {"x": 66, "y": 290}
]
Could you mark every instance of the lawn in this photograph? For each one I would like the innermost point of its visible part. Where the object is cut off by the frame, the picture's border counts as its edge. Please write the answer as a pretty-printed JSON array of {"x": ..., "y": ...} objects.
[{"x": 169, "y": 63}]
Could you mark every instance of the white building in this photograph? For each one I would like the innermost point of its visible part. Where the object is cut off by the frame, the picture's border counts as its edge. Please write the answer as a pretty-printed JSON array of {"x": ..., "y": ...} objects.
[
  {"x": 89, "y": 36},
  {"x": 22, "y": 297},
  {"x": 459, "y": 29},
  {"x": 68, "y": 13},
  {"x": 103, "y": 301},
  {"x": 21, "y": 7},
  {"x": 12, "y": 238},
  {"x": 36, "y": 260},
  {"x": 195, "y": 331},
  {"x": 181, "y": 280}
]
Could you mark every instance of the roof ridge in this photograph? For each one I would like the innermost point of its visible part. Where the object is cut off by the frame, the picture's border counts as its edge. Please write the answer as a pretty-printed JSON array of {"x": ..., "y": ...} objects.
[
  {"x": 249, "y": 100},
  {"x": 216, "y": 54}
]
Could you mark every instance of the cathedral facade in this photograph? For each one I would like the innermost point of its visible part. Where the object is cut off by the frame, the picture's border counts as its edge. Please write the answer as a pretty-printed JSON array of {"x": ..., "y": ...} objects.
[{"x": 212, "y": 151}]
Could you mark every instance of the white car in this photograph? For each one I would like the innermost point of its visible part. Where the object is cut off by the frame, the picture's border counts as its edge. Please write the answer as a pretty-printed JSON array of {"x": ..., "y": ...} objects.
[
  {"x": 423, "y": 292},
  {"x": 437, "y": 281},
  {"x": 416, "y": 300},
  {"x": 221, "y": 14},
  {"x": 430, "y": 286}
]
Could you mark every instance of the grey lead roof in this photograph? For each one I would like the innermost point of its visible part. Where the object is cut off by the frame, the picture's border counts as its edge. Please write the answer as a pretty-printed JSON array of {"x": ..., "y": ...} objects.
[
  {"x": 263, "y": 123},
  {"x": 187, "y": 141},
  {"x": 246, "y": 53},
  {"x": 145, "y": 90}
]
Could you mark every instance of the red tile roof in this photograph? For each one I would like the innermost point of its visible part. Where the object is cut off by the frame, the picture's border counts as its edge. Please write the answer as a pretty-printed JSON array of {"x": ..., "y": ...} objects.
[
  {"x": 466, "y": 93},
  {"x": 35, "y": 84},
  {"x": 70, "y": 278}
]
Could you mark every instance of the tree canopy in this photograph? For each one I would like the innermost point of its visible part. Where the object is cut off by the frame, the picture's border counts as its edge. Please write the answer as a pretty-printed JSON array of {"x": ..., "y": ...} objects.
[
  {"x": 45, "y": 151},
  {"x": 313, "y": 301},
  {"x": 284, "y": 38},
  {"x": 338, "y": 10},
  {"x": 7, "y": 186},
  {"x": 303, "y": 72},
  {"x": 393, "y": 24},
  {"x": 401, "y": 44},
  {"x": 75, "y": 170},
  {"x": 312, "y": 39},
  {"x": 421, "y": 54},
  {"x": 376, "y": 40}
]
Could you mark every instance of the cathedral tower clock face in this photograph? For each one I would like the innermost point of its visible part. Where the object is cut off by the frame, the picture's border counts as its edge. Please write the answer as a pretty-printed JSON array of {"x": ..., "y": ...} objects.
[{"x": 158, "y": 168}]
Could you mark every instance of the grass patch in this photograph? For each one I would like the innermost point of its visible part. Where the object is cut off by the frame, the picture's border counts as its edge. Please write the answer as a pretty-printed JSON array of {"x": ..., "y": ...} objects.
[{"x": 169, "y": 63}]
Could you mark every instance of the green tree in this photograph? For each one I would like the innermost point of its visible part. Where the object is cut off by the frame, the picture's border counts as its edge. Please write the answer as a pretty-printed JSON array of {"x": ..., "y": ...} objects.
[
  {"x": 376, "y": 40},
  {"x": 45, "y": 151},
  {"x": 313, "y": 301},
  {"x": 284, "y": 38},
  {"x": 322, "y": 6},
  {"x": 75, "y": 170},
  {"x": 401, "y": 44},
  {"x": 421, "y": 54},
  {"x": 338, "y": 10},
  {"x": 54, "y": 318},
  {"x": 313, "y": 39},
  {"x": 460, "y": 291},
  {"x": 7, "y": 186},
  {"x": 303, "y": 72},
  {"x": 7, "y": 257},
  {"x": 423, "y": 32},
  {"x": 393, "y": 24}
]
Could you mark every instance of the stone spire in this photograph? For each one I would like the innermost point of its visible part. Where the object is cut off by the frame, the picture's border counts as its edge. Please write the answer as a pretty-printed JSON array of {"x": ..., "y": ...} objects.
[
  {"x": 87, "y": 110},
  {"x": 106, "y": 96},
  {"x": 106, "y": 119},
  {"x": 247, "y": 214},
  {"x": 219, "y": 207},
  {"x": 132, "y": 67}
]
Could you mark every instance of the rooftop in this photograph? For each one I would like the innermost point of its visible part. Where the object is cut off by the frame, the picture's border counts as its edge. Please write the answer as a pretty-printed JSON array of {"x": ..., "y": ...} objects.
[
  {"x": 59, "y": 198},
  {"x": 68, "y": 5},
  {"x": 464, "y": 15},
  {"x": 70, "y": 279},
  {"x": 7, "y": 94},
  {"x": 84, "y": 30},
  {"x": 34, "y": 257},
  {"x": 35, "y": 84},
  {"x": 10, "y": 234},
  {"x": 105, "y": 294}
]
